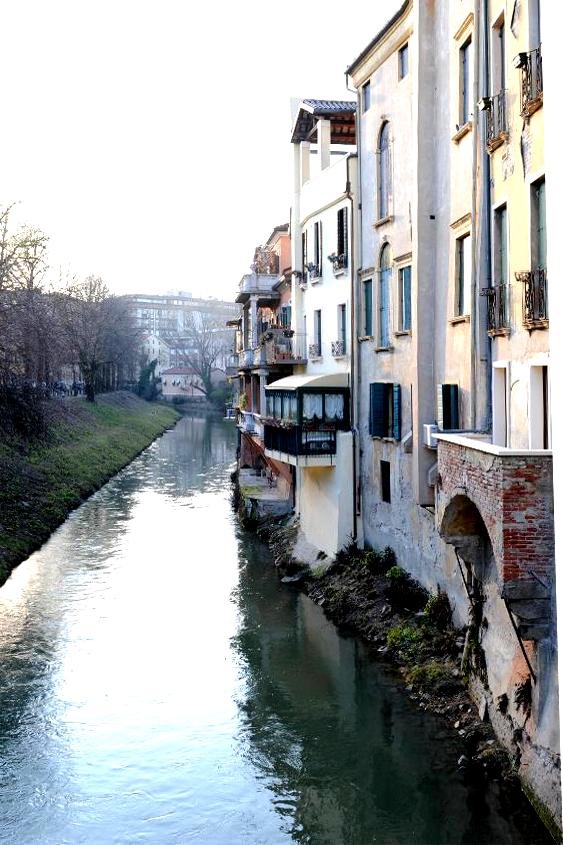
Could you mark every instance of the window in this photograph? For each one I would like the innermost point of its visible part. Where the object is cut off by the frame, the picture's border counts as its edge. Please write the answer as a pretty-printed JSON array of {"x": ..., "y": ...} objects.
[
  {"x": 384, "y": 285},
  {"x": 405, "y": 320},
  {"x": 447, "y": 410},
  {"x": 342, "y": 328},
  {"x": 342, "y": 237},
  {"x": 500, "y": 405},
  {"x": 465, "y": 82},
  {"x": 384, "y": 173},
  {"x": 385, "y": 478},
  {"x": 539, "y": 422},
  {"x": 318, "y": 230},
  {"x": 463, "y": 275},
  {"x": 366, "y": 96},
  {"x": 499, "y": 57},
  {"x": 304, "y": 252},
  {"x": 501, "y": 252},
  {"x": 403, "y": 61},
  {"x": 385, "y": 410},
  {"x": 318, "y": 332},
  {"x": 539, "y": 234},
  {"x": 285, "y": 316},
  {"x": 368, "y": 308}
]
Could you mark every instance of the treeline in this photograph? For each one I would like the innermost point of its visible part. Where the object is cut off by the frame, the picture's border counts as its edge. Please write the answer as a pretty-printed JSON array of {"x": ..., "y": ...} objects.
[{"x": 55, "y": 339}]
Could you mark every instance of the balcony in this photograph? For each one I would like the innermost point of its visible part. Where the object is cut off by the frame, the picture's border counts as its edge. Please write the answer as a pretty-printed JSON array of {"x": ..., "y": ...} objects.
[
  {"x": 284, "y": 346},
  {"x": 300, "y": 446},
  {"x": 246, "y": 359},
  {"x": 246, "y": 422},
  {"x": 534, "y": 299},
  {"x": 260, "y": 286},
  {"x": 531, "y": 81},
  {"x": 314, "y": 350},
  {"x": 232, "y": 365},
  {"x": 497, "y": 310},
  {"x": 497, "y": 123},
  {"x": 339, "y": 262},
  {"x": 338, "y": 348}
]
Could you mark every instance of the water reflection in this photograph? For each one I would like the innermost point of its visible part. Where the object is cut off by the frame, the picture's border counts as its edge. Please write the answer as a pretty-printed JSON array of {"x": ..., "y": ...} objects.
[{"x": 158, "y": 685}]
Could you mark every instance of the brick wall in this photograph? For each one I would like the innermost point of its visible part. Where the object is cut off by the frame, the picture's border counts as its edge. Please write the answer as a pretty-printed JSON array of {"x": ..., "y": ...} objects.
[{"x": 514, "y": 496}]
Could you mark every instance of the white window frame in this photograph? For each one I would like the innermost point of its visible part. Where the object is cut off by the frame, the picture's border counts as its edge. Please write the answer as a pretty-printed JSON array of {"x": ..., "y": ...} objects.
[
  {"x": 535, "y": 402},
  {"x": 501, "y": 403}
]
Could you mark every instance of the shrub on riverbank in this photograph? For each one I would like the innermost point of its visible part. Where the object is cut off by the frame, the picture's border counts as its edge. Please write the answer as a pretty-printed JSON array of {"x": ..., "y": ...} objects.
[{"x": 82, "y": 446}]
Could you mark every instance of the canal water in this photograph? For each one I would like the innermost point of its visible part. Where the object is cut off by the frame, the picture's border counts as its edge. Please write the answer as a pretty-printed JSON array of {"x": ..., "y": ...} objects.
[{"x": 159, "y": 685}]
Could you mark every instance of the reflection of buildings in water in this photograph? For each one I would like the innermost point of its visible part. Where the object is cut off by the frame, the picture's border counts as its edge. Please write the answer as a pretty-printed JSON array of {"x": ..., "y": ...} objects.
[{"x": 335, "y": 741}]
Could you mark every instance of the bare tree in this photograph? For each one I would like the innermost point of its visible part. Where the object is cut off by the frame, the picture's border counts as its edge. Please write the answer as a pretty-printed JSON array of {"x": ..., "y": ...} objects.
[
  {"x": 99, "y": 334},
  {"x": 206, "y": 343}
]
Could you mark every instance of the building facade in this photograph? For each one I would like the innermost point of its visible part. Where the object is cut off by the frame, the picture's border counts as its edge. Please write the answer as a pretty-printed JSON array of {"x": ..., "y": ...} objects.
[{"x": 453, "y": 341}]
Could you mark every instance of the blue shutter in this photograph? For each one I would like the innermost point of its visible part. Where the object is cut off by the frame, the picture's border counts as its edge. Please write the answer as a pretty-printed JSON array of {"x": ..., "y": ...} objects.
[
  {"x": 378, "y": 409},
  {"x": 397, "y": 411}
]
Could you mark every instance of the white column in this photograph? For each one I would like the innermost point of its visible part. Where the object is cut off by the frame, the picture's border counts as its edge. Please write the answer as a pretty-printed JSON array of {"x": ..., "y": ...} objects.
[
  {"x": 253, "y": 322},
  {"x": 305, "y": 149},
  {"x": 323, "y": 142},
  {"x": 262, "y": 375}
]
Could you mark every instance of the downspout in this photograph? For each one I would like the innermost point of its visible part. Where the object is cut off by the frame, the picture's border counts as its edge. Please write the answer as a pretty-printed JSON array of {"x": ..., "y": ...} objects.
[
  {"x": 481, "y": 413},
  {"x": 352, "y": 346},
  {"x": 488, "y": 210},
  {"x": 475, "y": 235},
  {"x": 356, "y": 378}
]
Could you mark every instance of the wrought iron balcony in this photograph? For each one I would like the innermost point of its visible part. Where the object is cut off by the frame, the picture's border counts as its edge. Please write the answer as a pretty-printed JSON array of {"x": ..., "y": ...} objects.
[
  {"x": 313, "y": 271},
  {"x": 497, "y": 309},
  {"x": 531, "y": 81},
  {"x": 497, "y": 123},
  {"x": 339, "y": 262},
  {"x": 338, "y": 348},
  {"x": 534, "y": 298},
  {"x": 299, "y": 441},
  {"x": 314, "y": 350}
]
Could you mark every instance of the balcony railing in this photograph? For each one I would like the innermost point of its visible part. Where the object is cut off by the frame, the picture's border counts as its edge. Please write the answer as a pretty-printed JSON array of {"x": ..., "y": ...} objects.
[
  {"x": 246, "y": 422},
  {"x": 314, "y": 350},
  {"x": 299, "y": 441},
  {"x": 246, "y": 359},
  {"x": 534, "y": 298},
  {"x": 338, "y": 348},
  {"x": 339, "y": 262},
  {"x": 530, "y": 65},
  {"x": 286, "y": 347},
  {"x": 497, "y": 123},
  {"x": 497, "y": 309}
]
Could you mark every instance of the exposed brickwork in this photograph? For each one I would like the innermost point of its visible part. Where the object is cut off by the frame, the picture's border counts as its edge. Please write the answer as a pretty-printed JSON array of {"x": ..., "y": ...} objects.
[{"x": 514, "y": 496}]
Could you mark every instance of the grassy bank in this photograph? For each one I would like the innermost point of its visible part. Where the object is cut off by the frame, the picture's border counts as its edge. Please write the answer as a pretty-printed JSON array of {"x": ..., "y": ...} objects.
[{"x": 83, "y": 446}]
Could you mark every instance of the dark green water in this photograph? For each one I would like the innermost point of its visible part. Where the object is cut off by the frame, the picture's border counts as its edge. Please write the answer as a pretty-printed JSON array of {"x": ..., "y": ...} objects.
[{"x": 158, "y": 685}]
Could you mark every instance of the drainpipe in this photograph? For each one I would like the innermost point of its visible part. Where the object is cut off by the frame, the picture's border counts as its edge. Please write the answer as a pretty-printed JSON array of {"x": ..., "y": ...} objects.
[
  {"x": 352, "y": 347},
  {"x": 475, "y": 250},
  {"x": 356, "y": 378},
  {"x": 488, "y": 202}
]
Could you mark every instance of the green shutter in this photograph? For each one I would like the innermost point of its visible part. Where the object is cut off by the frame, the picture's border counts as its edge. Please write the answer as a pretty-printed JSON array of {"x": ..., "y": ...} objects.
[
  {"x": 378, "y": 409},
  {"x": 397, "y": 411}
]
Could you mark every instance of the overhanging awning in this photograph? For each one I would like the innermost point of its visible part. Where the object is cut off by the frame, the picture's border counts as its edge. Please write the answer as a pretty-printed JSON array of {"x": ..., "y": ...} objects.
[{"x": 321, "y": 380}]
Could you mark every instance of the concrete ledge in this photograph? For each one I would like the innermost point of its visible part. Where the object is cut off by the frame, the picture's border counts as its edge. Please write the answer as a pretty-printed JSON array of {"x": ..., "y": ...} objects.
[{"x": 472, "y": 442}]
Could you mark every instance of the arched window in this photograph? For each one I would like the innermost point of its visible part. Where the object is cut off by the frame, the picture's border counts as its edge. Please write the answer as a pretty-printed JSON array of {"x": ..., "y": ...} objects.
[
  {"x": 384, "y": 172},
  {"x": 384, "y": 292}
]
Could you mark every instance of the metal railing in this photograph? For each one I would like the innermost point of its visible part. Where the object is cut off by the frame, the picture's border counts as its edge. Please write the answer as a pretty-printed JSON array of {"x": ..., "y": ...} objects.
[
  {"x": 338, "y": 348},
  {"x": 314, "y": 350},
  {"x": 497, "y": 123},
  {"x": 534, "y": 298},
  {"x": 286, "y": 348},
  {"x": 531, "y": 80},
  {"x": 246, "y": 358},
  {"x": 497, "y": 308},
  {"x": 299, "y": 441}
]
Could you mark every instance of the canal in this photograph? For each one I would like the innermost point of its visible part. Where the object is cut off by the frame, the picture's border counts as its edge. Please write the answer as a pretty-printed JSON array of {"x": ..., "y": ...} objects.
[{"x": 159, "y": 685}]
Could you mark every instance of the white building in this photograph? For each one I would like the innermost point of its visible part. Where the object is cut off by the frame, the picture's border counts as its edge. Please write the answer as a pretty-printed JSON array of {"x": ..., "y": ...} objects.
[{"x": 309, "y": 413}]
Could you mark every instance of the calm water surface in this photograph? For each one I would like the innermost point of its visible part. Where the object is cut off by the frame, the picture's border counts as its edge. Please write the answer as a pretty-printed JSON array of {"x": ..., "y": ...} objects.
[{"x": 158, "y": 685}]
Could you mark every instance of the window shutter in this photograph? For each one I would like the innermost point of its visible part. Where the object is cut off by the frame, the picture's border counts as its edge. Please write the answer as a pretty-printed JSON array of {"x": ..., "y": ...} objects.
[
  {"x": 397, "y": 411},
  {"x": 320, "y": 248},
  {"x": 339, "y": 232},
  {"x": 378, "y": 409},
  {"x": 345, "y": 235},
  {"x": 447, "y": 415}
]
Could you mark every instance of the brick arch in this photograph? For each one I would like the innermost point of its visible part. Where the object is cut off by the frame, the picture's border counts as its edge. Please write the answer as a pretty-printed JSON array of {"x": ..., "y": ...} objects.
[{"x": 462, "y": 524}]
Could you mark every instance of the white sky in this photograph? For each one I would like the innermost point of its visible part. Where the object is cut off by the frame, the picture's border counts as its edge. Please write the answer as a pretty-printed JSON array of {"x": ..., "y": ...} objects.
[{"x": 150, "y": 141}]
